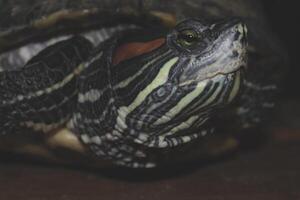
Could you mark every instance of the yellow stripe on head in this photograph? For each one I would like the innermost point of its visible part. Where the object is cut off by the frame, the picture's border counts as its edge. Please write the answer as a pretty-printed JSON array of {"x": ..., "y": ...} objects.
[{"x": 159, "y": 80}]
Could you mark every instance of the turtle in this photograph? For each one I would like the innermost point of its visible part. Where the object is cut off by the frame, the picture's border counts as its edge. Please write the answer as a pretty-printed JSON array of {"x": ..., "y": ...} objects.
[{"x": 137, "y": 83}]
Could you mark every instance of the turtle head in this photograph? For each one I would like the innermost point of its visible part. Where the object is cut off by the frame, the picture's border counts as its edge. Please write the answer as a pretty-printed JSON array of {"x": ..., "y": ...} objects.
[
  {"x": 166, "y": 94},
  {"x": 208, "y": 51}
]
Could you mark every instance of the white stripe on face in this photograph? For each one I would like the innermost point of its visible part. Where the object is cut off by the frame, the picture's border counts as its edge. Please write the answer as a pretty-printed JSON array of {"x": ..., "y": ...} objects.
[
  {"x": 236, "y": 86},
  {"x": 159, "y": 80},
  {"x": 182, "y": 103},
  {"x": 212, "y": 98}
]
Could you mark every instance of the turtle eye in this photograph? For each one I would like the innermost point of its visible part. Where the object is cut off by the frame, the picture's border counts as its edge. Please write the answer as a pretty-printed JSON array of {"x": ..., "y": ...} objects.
[{"x": 187, "y": 38}]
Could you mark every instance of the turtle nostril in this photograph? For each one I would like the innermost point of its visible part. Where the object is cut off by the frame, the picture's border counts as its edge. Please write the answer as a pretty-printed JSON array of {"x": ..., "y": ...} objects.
[
  {"x": 240, "y": 32},
  {"x": 244, "y": 31},
  {"x": 243, "y": 28}
]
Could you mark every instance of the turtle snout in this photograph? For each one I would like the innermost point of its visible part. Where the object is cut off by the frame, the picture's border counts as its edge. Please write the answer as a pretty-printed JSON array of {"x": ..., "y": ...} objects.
[
  {"x": 235, "y": 27},
  {"x": 241, "y": 32}
]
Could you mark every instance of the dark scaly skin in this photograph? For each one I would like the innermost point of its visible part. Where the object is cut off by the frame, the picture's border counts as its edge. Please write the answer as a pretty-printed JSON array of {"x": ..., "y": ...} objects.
[
  {"x": 21, "y": 102},
  {"x": 265, "y": 55}
]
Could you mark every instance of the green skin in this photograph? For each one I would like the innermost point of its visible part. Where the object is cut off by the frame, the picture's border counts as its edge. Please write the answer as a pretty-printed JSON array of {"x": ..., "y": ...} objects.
[{"x": 238, "y": 113}]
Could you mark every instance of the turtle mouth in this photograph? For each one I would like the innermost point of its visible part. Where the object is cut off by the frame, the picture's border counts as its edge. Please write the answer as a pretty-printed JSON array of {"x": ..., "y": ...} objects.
[
  {"x": 229, "y": 73},
  {"x": 215, "y": 75}
]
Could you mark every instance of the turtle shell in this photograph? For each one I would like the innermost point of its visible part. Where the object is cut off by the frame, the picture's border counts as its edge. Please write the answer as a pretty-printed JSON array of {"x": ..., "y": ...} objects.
[
  {"x": 34, "y": 21},
  {"x": 24, "y": 22}
]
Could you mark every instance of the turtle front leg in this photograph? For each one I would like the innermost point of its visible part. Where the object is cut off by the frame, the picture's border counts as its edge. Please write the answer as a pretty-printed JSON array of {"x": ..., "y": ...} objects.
[{"x": 42, "y": 94}]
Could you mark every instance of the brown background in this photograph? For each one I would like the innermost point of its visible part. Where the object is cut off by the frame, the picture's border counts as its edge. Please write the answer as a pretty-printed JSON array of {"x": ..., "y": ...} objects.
[{"x": 268, "y": 170}]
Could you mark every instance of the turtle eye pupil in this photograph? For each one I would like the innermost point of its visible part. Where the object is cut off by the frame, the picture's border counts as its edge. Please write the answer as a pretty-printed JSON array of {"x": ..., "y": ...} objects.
[{"x": 187, "y": 38}]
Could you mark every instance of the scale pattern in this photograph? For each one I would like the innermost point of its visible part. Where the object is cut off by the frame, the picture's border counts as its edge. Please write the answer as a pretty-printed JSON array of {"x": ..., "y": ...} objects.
[{"x": 42, "y": 94}]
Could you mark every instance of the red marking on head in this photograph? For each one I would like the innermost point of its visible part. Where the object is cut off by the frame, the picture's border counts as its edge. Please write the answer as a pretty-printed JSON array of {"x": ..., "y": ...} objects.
[{"x": 130, "y": 50}]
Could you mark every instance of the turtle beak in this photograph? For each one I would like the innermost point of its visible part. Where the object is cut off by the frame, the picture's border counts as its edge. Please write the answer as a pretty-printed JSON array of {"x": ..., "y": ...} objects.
[
  {"x": 233, "y": 44},
  {"x": 233, "y": 26}
]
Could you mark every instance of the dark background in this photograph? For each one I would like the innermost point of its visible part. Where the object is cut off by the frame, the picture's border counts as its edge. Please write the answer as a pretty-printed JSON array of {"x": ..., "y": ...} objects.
[
  {"x": 271, "y": 171},
  {"x": 284, "y": 18}
]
